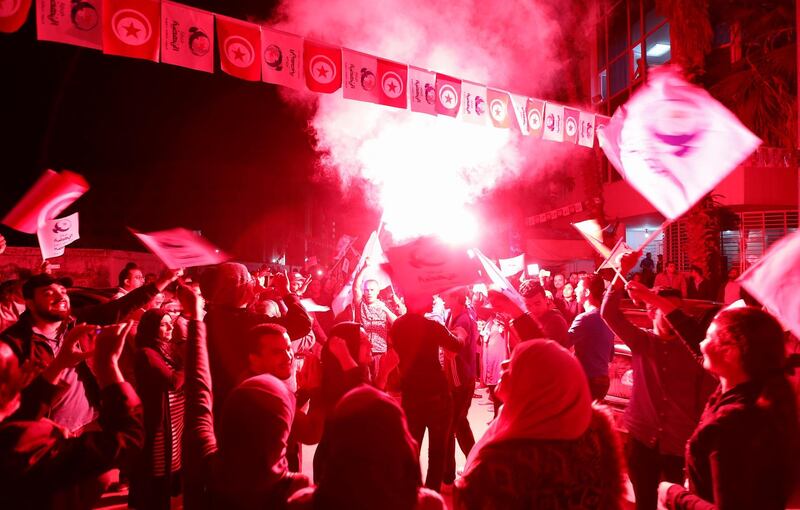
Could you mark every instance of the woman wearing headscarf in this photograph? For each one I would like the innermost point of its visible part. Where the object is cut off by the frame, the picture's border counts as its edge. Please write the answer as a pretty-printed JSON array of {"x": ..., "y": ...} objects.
[
  {"x": 548, "y": 448},
  {"x": 744, "y": 452},
  {"x": 343, "y": 370},
  {"x": 367, "y": 459},
  {"x": 159, "y": 372},
  {"x": 246, "y": 469}
]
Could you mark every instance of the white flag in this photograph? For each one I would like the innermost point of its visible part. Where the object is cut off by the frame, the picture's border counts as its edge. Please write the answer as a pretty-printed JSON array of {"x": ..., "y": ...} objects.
[
  {"x": 359, "y": 72},
  {"x": 612, "y": 261},
  {"x": 473, "y": 103},
  {"x": 774, "y": 280},
  {"x": 553, "y": 122},
  {"x": 374, "y": 252},
  {"x": 54, "y": 235},
  {"x": 179, "y": 247},
  {"x": 520, "y": 104},
  {"x": 512, "y": 266},
  {"x": 496, "y": 278},
  {"x": 592, "y": 232},
  {"x": 422, "y": 90},
  {"x": 673, "y": 142},
  {"x": 586, "y": 129}
]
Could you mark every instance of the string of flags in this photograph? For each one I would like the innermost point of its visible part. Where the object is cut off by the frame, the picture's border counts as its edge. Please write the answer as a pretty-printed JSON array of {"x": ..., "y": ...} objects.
[{"x": 176, "y": 34}]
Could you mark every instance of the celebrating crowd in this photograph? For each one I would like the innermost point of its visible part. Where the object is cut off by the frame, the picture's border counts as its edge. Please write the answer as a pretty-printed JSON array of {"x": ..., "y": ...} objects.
[{"x": 207, "y": 386}]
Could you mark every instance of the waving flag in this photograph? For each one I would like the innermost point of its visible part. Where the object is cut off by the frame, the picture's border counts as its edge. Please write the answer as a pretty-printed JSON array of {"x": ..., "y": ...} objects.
[
  {"x": 674, "y": 143},
  {"x": 612, "y": 260},
  {"x": 392, "y": 80},
  {"x": 56, "y": 234},
  {"x": 448, "y": 95},
  {"x": 373, "y": 252},
  {"x": 322, "y": 67},
  {"x": 492, "y": 275},
  {"x": 593, "y": 233},
  {"x": 188, "y": 37},
  {"x": 499, "y": 108},
  {"x": 535, "y": 109},
  {"x": 512, "y": 266},
  {"x": 473, "y": 103},
  {"x": 571, "y": 124},
  {"x": 131, "y": 28},
  {"x": 239, "y": 48},
  {"x": 282, "y": 58},
  {"x": 586, "y": 129},
  {"x": 179, "y": 247},
  {"x": 520, "y": 107},
  {"x": 360, "y": 80},
  {"x": 50, "y": 195},
  {"x": 422, "y": 90},
  {"x": 774, "y": 280},
  {"x": 553, "y": 122},
  {"x": 65, "y": 21},
  {"x": 13, "y": 14}
]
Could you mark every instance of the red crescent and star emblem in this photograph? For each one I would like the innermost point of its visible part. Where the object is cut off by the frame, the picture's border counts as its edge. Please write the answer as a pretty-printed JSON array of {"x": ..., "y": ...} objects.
[
  {"x": 9, "y": 7},
  {"x": 322, "y": 69},
  {"x": 534, "y": 119},
  {"x": 239, "y": 51},
  {"x": 448, "y": 96},
  {"x": 392, "y": 85},
  {"x": 498, "y": 110},
  {"x": 131, "y": 27},
  {"x": 572, "y": 127}
]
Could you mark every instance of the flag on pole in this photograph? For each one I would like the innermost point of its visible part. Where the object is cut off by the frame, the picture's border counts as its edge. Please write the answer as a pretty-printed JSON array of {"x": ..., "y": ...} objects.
[
  {"x": 512, "y": 266},
  {"x": 239, "y": 48},
  {"x": 422, "y": 90},
  {"x": 374, "y": 252},
  {"x": 131, "y": 28},
  {"x": 13, "y": 14},
  {"x": 50, "y": 195},
  {"x": 674, "y": 143},
  {"x": 360, "y": 76},
  {"x": 282, "y": 58},
  {"x": 187, "y": 37},
  {"x": 774, "y": 280},
  {"x": 492, "y": 275},
  {"x": 612, "y": 261},
  {"x": 392, "y": 77},
  {"x": 520, "y": 106},
  {"x": 179, "y": 247},
  {"x": 322, "y": 67},
  {"x": 586, "y": 129},
  {"x": 593, "y": 233},
  {"x": 571, "y": 124},
  {"x": 535, "y": 109},
  {"x": 553, "y": 122},
  {"x": 473, "y": 103},
  {"x": 499, "y": 108},
  {"x": 65, "y": 21},
  {"x": 54, "y": 235},
  {"x": 448, "y": 95}
]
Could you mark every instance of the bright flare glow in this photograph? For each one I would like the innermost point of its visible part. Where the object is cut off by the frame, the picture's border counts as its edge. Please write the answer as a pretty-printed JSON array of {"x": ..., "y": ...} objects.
[{"x": 658, "y": 50}]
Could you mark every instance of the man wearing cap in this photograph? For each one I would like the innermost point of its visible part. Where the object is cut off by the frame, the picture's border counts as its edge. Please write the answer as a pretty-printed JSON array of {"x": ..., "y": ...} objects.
[{"x": 38, "y": 336}]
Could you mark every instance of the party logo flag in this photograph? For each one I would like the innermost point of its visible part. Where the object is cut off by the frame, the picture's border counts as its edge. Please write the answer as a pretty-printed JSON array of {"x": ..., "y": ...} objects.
[
  {"x": 322, "y": 65},
  {"x": 239, "y": 47},
  {"x": 422, "y": 90},
  {"x": 571, "y": 124},
  {"x": 54, "y": 235},
  {"x": 392, "y": 78},
  {"x": 13, "y": 14},
  {"x": 512, "y": 266},
  {"x": 535, "y": 117},
  {"x": 499, "y": 108},
  {"x": 473, "y": 103},
  {"x": 187, "y": 37},
  {"x": 69, "y": 22},
  {"x": 593, "y": 233},
  {"x": 282, "y": 58},
  {"x": 492, "y": 275},
  {"x": 448, "y": 95},
  {"x": 586, "y": 129},
  {"x": 774, "y": 278},
  {"x": 674, "y": 143},
  {"x": 553, "y": 122},
  {"x": 520, "y": 107},
  {"x": 131, "y": 28},
  {"x": 50, "y": 195},
  {"x": 179, "y": 247},
  {"x": 359, "y": 76}
]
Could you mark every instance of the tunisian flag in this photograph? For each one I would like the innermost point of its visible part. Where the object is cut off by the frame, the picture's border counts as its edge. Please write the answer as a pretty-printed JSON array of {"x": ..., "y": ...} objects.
[
  {"x": 187, "y": 39},
  {"x": 179, "y": 247},
  {"x": 535, "y": 117},
  {"x": 498, "y": 108},
  {"x": 239, "y": 48},
  {"x": 322, "y": 65},
  {"x": 392, "y": 78},
  {"x": 50, "y": 195},
  {"x": 571, "y": 124},
  {"x": 13, "y": 14},
  {"x": 68, "y": 22},
  {"x": 448, "y": 95},
  {"x": 131, "y": 28}
]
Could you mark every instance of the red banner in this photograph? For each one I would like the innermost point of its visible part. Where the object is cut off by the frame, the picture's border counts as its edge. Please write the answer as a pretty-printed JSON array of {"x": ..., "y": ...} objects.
[
  {"x": 239, "y": 48},
  {"x": 323, "y": 67},
  {"x": 131, "y": 28}
]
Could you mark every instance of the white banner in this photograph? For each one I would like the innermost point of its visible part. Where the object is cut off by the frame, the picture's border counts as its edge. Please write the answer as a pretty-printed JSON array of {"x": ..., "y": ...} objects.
[{"x": 54, "y": 235}]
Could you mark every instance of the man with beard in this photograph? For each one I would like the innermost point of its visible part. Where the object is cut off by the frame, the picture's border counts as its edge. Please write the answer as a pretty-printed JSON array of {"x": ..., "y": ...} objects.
[{"x": 39, "y": 334}]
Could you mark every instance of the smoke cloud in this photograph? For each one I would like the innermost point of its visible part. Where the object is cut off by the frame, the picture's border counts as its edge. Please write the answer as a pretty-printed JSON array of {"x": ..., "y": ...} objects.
[{"x": 424, "y": 171}]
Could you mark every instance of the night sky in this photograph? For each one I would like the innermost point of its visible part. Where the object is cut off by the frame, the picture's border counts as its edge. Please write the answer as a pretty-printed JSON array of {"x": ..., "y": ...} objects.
[{"x": 161, "y": 146}]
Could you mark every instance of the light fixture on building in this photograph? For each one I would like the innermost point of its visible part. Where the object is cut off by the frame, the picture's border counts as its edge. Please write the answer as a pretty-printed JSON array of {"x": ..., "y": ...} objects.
[{"x": 658, "y": 50}]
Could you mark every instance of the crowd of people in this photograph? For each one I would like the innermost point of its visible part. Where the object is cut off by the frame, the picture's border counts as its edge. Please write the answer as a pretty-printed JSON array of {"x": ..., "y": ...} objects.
[{"x": 205, "y": 386}]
